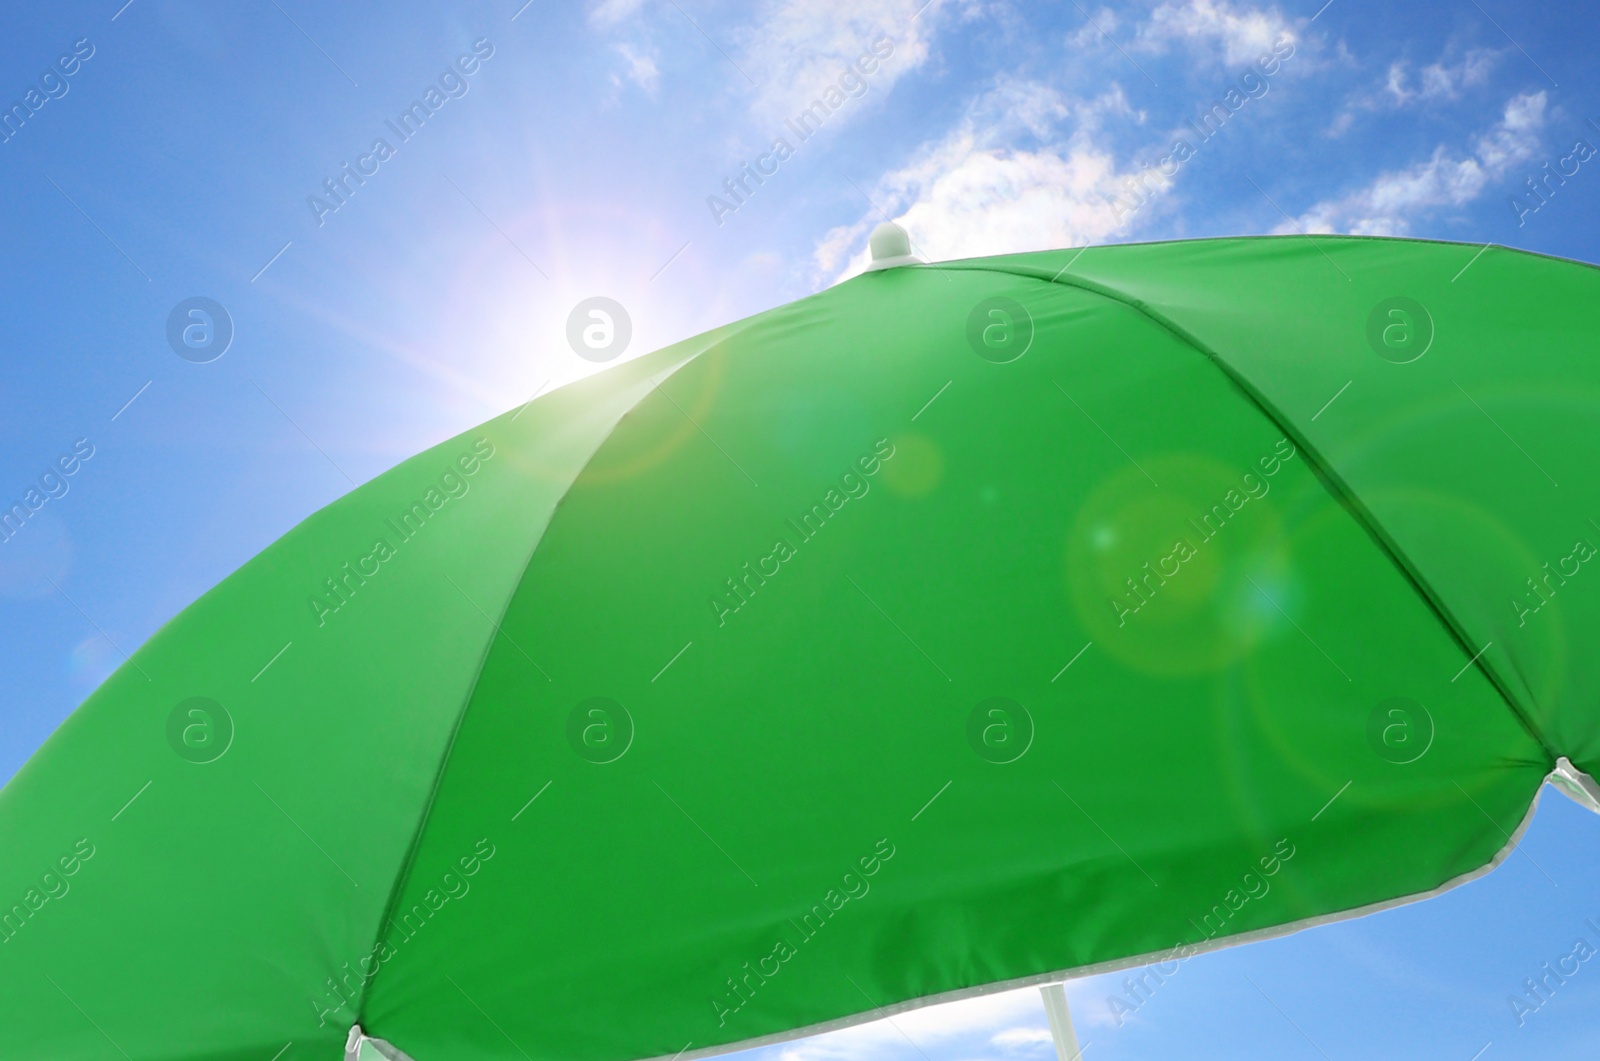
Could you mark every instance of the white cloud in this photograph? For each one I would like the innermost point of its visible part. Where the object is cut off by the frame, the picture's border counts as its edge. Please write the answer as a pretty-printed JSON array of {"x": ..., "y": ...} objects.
[
  {"x": 639, "y": 67},
  {"x": 938, "y": 1027},
  {"x": 1099, "y": 26},
  {"x": 638, "y": 64},
  {"x": 1440, "y": 80},
  {"x": 796, "y": 48},
  {"x": 974, "y": 193},
  {"x": 1020, "y": 1037},
  {"x": 1242, "y": 34},
  {"x": 608, "y": 13},
  {"x": 1011, "y": 1021},
  {"x": 1389, "y": 205},
  {"x": 1443, "y": 81}
]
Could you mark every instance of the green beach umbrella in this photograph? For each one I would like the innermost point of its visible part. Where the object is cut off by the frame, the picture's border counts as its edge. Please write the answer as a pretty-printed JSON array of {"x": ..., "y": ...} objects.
[{"x": 963, "y": 626}]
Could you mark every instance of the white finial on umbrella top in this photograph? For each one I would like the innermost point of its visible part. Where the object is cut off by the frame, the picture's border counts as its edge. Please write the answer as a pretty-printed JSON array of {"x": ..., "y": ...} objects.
[{"x": 891, "y": 247}]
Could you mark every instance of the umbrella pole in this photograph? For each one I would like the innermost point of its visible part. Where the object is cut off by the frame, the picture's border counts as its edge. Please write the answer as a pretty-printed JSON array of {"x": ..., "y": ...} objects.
[{"x": 1060, "y": 1018}]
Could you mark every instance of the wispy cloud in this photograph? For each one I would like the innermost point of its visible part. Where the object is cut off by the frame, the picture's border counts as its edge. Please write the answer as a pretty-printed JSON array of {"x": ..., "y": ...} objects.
[
  {"x": 1441, "y": 80},
  {"x": 793, "y": 49},
  {"x": 1445, "y": 80},
  {"x": 1030, "y": 166},
  {"x": 638, "y": 67},
  {"x": 1235, "y": 34},
  {"x": 1395, "y": 200},
  {"x": 1021, "y": 1037},
  {"x": 1003, "y": 180},
  {"x": 608, "y": 13},
  {"x": 1011, "y": 1021},
  {"x": 1100, "y": 25}
]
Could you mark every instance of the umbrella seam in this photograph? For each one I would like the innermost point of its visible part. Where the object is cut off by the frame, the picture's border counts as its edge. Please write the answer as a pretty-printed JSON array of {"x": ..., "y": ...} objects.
[
  {"x": 1331, "y": 480},
  {"x": 408, "y": 863}
]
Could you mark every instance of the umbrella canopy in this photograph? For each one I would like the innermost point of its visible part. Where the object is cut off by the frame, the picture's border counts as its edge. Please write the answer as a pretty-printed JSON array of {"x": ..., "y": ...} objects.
[{"x": 964, "y": 625}]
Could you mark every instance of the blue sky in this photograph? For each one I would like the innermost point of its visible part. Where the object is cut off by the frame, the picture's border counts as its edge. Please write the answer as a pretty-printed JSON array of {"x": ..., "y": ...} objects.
[{"x": 575, "y": 153}]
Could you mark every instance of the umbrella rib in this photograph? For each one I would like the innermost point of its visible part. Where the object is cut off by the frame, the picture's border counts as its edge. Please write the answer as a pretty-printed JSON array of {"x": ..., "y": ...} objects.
[
  {"x": 499, "y": 630},
  {"x": 1471, "y": 661},
  {"x": 1332, "y": 481},
  {"x": 407, "y": 863}
]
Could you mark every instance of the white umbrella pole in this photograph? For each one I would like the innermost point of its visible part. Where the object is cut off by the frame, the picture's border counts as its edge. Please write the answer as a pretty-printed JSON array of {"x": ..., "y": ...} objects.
[{"x": 1060, "y": 1018}]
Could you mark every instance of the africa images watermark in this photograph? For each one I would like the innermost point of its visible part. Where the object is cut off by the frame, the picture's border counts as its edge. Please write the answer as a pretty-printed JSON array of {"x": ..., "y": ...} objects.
[
  {"x": 340, "y": 998},
  {"x": 1144, "y": 590},
  {"x": 850, "y": 84},
  {"x": 52, "y": 485},
  {"x": 1540, "y": 992},
  {"x": 452, "y": 84},
  {"x": 750, "y": 980},
  {"x": 1544, "y": 590},
  {"x": 53, "y": 84},
  {"x": 750, "y": 579},
  {"x": 1140, "y": 989},
  {"x": 1253, "y": 84},
  {"x": 1541, "y": 189},
  {"x": 454, "y": 484},
  {"x": 53, "y": 884}
]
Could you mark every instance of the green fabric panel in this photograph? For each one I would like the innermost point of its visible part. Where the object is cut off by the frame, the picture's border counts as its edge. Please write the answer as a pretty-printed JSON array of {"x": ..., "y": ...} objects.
[
  {"x": 1475, "y": 457},
  {"x": 224, "y": 911},
  {"x": 809, "y": 729}
]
